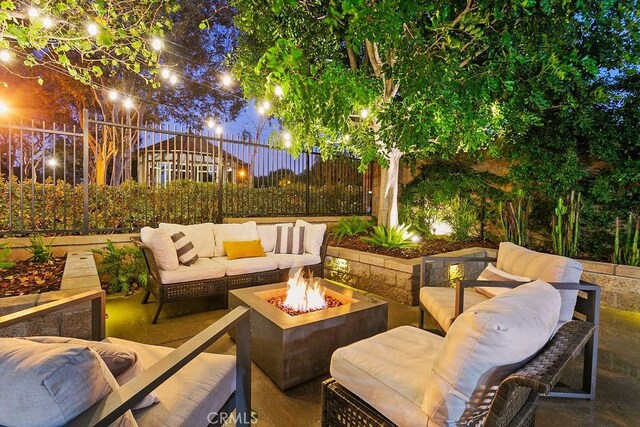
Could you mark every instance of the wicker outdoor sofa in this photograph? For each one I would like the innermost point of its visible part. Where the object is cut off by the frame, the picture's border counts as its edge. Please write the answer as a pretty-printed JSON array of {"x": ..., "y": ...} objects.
[
  {"x": 210, "y": 287},
  {"x": 512, "y": 404}
]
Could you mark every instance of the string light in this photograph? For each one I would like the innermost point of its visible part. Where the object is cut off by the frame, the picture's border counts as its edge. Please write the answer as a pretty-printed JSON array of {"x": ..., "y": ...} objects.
[
  {"x": 128, "y": 103},
  {"x": 4, "y": 108},
  {"x": 52, "y": 162},
  {"x": 278, "y": 91},
  {"x": 173, "y": 79},
  {"x": 266, "y": 105},
  {"x": 211, "y": 123},
  {"x": 219, "y": 130},
  {"x": 47, "y": 22},
  {"x": 92, "y": 29},
  {"x": 5, "y": 56},
  {"x": 113, "y": 95},
  {"x": 33, "y": 12},
  {"x": 261, "y": 110},
  {"x": 226, "y": 80},
  {"x": 156, "y": 44},
  {"x": 165, "y": 73},
  {"x": 286, "y": 136},
  {"x": 347, "y": 137},
  {"x": 364, "y": 113}
]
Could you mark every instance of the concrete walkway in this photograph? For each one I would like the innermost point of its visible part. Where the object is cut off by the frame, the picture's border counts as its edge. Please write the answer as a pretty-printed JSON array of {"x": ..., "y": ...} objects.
[{"x": 618, "y": 373}]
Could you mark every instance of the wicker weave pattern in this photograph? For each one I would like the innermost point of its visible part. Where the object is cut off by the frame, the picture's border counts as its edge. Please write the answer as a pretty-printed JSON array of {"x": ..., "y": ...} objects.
[{"x": 512, "y": 404}]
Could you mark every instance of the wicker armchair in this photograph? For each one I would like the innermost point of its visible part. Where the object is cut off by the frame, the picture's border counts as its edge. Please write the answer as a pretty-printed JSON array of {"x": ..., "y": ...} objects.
[
  {"x": 171, "y": 292},
  {"x": 512, "y": 404}
]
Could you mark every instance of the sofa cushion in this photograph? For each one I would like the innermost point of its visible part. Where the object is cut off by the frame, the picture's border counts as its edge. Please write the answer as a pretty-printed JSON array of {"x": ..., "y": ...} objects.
[
  {"x": 243, "y": 249},
  {"x": 267, "y": 235},
  {"x": 235, "y": 267},
  {"x": 160, "y": 243},
  {"x": 187, "y": 254},
  {"x": 486, "y": 344},
  {"x": 123, "y": 363},
  {"x": 202, "y": 269},
  {"x": 189, "y": 397},
  {"x": 233, "y": 232},
  {"x": 314, "y": 236},
  {"x": 493, "y": 274},
  {"x": 201, "y": 235},
  {"x": 290, "y": 260},
  {"x": 290, "y": 240},
  {"x": 390, "y": 371},
  {"x": 440, "y": 302},
  {"x": 515, "y": 259},
  {"x": 44, "y": 384}
]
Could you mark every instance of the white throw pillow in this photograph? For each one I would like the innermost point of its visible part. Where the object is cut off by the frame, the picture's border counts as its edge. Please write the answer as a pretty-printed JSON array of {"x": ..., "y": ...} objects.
[
  {"x": 233, "y": 233},
  {"x": 160, "y": 243},
  {"x": 484, "y": 345},
  {"x": 43, "y": 384},
  {"x": 201, "y": 235},
  {"x": 492, "y": 274},
  {"x": 267, "y": 234},
  {"x": 313, "y": 237}
]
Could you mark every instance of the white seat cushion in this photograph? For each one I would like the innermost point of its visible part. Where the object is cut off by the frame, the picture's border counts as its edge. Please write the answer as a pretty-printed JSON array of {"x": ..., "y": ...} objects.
[
  {"x": 486, "y": 344},
  {"x": 235, "y": 267},
  {"x": 267, "y": 234},
  {"x": 515, "y": 259},
  {"x": 390, "y": 371},
  {"x": 201, "y": 235},
  {"x": 493, "y": 274},
  {"x": 440, "y": 302},
  {"x": 291, "y": 260},
  {"x": 203, "y": 268},
  {"x": 195, "y": 391},
  {"x": 314, "y": 235},
  {"x": 233, "y": 233}
]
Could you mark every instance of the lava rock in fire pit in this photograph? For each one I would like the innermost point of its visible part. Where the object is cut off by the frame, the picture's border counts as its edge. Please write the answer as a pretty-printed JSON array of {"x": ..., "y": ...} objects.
[{"x": 279, "y": 303}]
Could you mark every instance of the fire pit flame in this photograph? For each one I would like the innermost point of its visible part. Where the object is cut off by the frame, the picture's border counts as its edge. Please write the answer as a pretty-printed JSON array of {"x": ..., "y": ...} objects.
[{"x": 303, "y": 295}]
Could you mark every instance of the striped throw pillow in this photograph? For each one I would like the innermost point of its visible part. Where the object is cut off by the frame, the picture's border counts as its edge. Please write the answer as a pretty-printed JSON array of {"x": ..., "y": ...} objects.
[
  {"x": 289, "y": 240},
  {"x": 187, "y": 254}
]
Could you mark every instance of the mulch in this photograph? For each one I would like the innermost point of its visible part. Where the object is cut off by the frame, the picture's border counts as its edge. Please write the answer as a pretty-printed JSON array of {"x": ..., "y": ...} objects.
[
  {"x": 28, "y": 277},
  {"x": 426, "y": 247},
  {"x": 278, "y": 302}
]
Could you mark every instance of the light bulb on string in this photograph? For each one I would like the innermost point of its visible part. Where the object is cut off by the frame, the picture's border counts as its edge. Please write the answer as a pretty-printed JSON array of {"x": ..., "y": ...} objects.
[
  {"x": 219, "y": 130},
  {"x": 47, "y": 22},
  {"x": 128, "y": 103},
  {"x": 113, "y": 95},
  {"x": 173, "y": 79},
  {"x": 211, "y": 123},
  {"x": 266, "y": 105},
  {"x": 156, "y": 44},
  {"x": 165, "y": 73},
  {"x": 364, "y": 113},
  {"x": 92, "y": 29},
  {"x": 261, "y": 110},
  {"x": 33, "y": 12},
  {"x": 278, "y": 91},
  {"x": 5, "y": 56},
  {"x": 226, "y": 80}
]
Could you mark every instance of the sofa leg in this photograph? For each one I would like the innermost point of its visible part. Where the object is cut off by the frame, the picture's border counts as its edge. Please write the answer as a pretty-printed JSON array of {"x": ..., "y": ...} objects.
[
  {"x": 421, "y": 321},
  {"x": 145, "y": 299},
  {"x": 155, "y": 318}
]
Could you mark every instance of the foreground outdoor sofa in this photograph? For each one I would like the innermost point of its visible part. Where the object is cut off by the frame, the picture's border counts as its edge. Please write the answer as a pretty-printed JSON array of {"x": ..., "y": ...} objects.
[
  {"x": 193, "y": 389},
  {"x": 489, "y": 370},
  {"x": 214, "y": 275}
]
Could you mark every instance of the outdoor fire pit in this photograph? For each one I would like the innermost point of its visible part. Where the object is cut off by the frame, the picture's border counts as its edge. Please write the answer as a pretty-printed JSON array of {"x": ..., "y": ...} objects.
[{"x": 295, "y": 333}]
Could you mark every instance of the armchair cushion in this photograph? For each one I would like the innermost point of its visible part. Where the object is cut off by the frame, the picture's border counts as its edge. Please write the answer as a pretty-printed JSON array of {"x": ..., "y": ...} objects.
[
  {"x": 189, "y": 397},
  {"x": 390, "y": 371},
  {"x": 160, "y": 243},
  {"x": 491, "y": 273},
  {"x": 47, "y": 385},
  {"x": 440, "y": 302},
  {"x": 201, "y": 235},
  {"x": 515, "y": 259},
  {"x": 486, "y": 344}
]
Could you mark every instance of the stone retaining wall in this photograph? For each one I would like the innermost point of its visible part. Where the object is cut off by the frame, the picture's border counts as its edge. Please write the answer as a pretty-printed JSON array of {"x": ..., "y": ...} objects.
[
  {"x": 620, "y": 283},
  {"x": 80, "y": 275},
  {"x": 395, "y": 278}
]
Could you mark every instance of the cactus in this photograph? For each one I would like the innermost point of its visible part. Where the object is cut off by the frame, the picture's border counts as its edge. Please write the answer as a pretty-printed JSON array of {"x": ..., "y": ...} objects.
[
  {"x": 565, "y": 225},
  {"x": 630, "y": 253},
  {"x": 515, "y": 219}
]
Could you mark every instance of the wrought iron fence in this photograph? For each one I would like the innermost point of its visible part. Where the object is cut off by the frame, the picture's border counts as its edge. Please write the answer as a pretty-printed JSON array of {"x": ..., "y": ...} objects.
[{"x": 109, "y": 177}]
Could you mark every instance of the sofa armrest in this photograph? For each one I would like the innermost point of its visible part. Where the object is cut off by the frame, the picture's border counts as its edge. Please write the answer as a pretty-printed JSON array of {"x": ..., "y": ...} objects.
[
  {"x": 149, "y": 260},
  {"x": 126, "y": 397}
]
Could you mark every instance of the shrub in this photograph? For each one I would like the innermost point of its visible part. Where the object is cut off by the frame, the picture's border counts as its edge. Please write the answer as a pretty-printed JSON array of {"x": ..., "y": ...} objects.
[
  {"x": 351, "y": 226},
  {"x": 628, "y": 254},
  {"x": 120, "y": 267},
  {"x": 462, "y": 215},
  {"x": 391, "y": 237},
  {"x": 514, "y": 218},
  {"x": 4, "y": 254},
  {"x": 39, "y": 251}
]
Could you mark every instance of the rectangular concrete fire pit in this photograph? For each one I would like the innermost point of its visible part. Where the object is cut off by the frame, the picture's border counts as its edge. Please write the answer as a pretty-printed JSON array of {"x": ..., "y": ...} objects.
[{"x": 295, "y": 349}]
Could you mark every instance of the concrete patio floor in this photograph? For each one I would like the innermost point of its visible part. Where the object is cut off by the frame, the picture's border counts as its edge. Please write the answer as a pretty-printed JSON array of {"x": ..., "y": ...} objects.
[{"x": 618, "y": 387}]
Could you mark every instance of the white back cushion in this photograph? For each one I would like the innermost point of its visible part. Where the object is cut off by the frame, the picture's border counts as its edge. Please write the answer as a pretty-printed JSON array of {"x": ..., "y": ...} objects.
[
  {"x": 484, "y": 345},
  {"x": 515, "y": 259},
  {"x": 201, "y": 235},
  {"x": 233, "y": 233},
  {"x": 267, "y": 234},
  {"x": 164, "y": 251},
  {"x": 493, "y": 274},
  {"x": 314, "y": 234},
  {"x": 51, "y": 384}
]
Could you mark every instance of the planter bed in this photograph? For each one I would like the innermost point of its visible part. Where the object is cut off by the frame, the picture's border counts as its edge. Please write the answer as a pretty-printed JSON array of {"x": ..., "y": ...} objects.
[{"x": 28, "y": 277}]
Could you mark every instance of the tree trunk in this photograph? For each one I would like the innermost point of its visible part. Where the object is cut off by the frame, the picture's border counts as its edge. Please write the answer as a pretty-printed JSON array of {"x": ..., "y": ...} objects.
[{"x": 388, "y": 198}]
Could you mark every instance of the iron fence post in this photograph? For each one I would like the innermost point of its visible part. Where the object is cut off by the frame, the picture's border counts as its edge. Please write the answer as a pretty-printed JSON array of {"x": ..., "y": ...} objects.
[
  {"x": 306, "y": 198},
  {"x": 219, "y": 216},
  {"x": 85, "y": 171}
]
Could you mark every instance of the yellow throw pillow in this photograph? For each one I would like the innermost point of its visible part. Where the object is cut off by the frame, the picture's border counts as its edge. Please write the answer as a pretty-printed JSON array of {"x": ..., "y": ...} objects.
[{"x": 243, "y": 249}]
